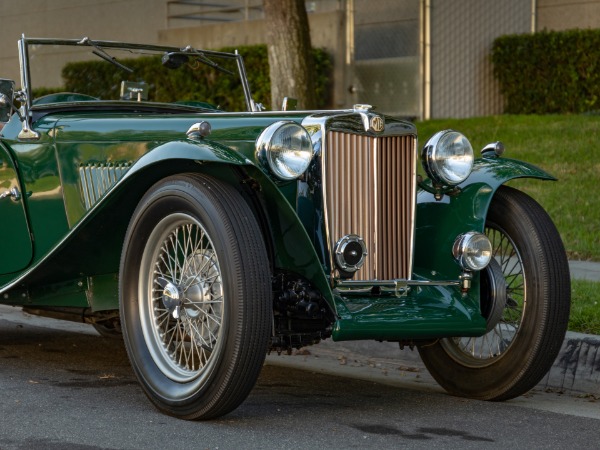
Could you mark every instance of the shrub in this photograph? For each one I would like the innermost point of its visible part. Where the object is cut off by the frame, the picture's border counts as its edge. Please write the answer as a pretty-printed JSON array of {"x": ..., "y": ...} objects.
[{"x": 549, "y": 71}]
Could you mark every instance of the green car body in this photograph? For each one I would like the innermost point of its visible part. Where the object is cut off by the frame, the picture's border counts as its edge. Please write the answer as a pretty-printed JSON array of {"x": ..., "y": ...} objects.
[
  {"x": 68, "y": 252},
  {"x": 74, "y": 170}
]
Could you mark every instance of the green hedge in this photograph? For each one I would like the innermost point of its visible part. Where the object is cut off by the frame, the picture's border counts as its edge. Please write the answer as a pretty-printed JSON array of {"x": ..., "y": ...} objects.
[
  {"x": 549, "y": 72},
  {"x": 198, "y": 83}
]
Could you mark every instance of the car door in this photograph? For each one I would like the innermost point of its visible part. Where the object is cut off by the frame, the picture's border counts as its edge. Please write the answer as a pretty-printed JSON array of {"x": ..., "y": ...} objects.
[{"x": 16, "y": 248}]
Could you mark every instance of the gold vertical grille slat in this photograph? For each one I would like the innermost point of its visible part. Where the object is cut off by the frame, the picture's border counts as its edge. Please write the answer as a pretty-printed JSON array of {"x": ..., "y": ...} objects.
[{"x": 369, "y": 192}]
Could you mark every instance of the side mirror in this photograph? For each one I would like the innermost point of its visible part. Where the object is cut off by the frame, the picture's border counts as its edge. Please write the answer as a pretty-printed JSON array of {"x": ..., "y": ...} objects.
[{"x": 7, "y": 92}]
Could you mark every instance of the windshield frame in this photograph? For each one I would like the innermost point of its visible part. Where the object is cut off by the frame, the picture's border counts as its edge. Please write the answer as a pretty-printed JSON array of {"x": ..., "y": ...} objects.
[{"x": 25, "y": 42}]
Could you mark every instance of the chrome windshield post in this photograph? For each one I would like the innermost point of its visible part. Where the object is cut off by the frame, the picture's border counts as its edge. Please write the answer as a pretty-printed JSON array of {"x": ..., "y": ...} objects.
[
  {"x": 25, "y": 94},
  {"x": 252, "y": 107}
]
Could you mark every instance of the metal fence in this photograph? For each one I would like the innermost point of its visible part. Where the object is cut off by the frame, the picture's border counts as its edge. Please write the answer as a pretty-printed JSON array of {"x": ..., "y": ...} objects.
[
  {"x": 411, "y": 58},
  {"x": 386, "y": 56},
  {"x": 462, "y": 34}
]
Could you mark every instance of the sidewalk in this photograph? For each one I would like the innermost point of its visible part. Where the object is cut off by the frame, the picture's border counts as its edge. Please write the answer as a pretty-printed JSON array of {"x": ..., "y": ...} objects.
[
  {"x": 585, "y": 270},
  {"x": 576, "y": 370}
]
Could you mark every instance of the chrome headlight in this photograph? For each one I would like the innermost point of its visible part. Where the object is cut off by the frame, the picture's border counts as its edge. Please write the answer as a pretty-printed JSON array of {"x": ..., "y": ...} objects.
[
  {"x": 448, "y": 158},
  {"x": 472, "y": 251},
  {"x": 286, "y": 148}
]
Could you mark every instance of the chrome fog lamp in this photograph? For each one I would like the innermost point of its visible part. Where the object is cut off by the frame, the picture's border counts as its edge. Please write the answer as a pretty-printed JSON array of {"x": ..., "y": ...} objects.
[
  {"x": 448, "y": 158},
  {"x": 286, "y": 148},
  {"x": 350, "y": 253},
  {"x": 472, "y": 250}
]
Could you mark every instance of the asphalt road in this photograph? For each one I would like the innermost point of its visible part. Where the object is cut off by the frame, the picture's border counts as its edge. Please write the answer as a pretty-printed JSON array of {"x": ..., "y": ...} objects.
[{"x": 70, "y": 389}]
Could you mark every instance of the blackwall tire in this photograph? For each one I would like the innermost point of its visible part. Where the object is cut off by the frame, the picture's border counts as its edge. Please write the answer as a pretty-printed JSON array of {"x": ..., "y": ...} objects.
[
  {"x": 195, "y": 297},
  {"x": 515, "y": 355}
]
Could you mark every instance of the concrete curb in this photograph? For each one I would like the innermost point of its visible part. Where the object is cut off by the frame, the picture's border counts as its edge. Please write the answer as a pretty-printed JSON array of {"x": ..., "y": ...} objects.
[
  {"x": 577, "y": 367},
  {"x": 575, "y": 371}
]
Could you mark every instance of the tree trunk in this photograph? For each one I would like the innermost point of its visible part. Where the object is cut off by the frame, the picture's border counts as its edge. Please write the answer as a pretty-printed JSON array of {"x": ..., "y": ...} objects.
[{"x": 290, "y": 57}]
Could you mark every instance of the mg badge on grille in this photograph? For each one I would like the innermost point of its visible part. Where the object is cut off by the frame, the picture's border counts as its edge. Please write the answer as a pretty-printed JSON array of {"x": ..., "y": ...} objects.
[{"x": 377, "y": 123}]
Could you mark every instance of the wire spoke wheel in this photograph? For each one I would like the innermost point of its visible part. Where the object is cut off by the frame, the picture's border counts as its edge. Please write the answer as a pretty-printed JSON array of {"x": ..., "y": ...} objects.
[
  {"x": 517, "y": 350},
  {"x": 182, "y": 321},
  {"x": 195, "y": 294}
]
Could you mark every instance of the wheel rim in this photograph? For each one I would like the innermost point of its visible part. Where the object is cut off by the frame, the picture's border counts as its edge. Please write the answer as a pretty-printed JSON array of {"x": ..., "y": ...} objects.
[
  {"x": 182, "y": 307},
  {"x": 487, "y": 349}
]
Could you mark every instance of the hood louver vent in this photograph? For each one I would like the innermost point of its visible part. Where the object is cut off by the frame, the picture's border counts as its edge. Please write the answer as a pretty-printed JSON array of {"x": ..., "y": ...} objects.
[{"x": 98, "y": 178}]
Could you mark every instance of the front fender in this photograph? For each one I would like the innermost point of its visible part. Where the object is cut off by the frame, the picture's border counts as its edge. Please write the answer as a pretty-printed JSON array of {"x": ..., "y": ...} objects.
[
  {"x": 292, "y": 247},
  {"x": 497, "y": 171},
  {"x": 200, "y": 152},
  {"x": 438, "y": 223}
]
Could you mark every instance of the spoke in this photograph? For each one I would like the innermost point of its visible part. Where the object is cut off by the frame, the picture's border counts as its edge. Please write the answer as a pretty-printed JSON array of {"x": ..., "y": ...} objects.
[
  {"x": 169, "y": 265},
  {"x": 212, "y": 280},
  {"x": 180, "y": 350},
  {"x": 201, "y": 303},
  {"x": 163, "y": 320},
  {"x": 172, "y": 256},
  {"x": 213, "y": 317},
  {"x": 189, "y": 359},
  {"x": 204, "y": 343}
]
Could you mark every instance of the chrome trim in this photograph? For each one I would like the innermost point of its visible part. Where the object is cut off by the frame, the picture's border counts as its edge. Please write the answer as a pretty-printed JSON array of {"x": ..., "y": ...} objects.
[
  {"x": 263, "y": 148},
  {"x": 370, "y": 182},
  {"x": 199, "y": 130},
  {"x": 26, "y": 133},
  {"x": 352, "y": 123},
  {"x": 250, "y": 104},
  {"x": 340, "y": 249},
  {"x": 13, "y": 193},
  {"x": 462, "y": 244},
  {"x": 493, "y": 150},
  {"x": 399, "y": 288},
  {"x": 289, "y": 104},
  {"x": 430, "y": 160}
]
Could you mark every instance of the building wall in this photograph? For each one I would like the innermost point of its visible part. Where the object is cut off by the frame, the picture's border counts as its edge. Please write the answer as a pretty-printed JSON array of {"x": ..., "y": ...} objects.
[
  {"x": 116, "y": 20},
  {"x": 567, "y": 14},
  {"x": 143, "y": 21},
  {"x": 460, "y": 82},
  {"x": 462, "y": 33},
  {"x": 386, "y": 63}
]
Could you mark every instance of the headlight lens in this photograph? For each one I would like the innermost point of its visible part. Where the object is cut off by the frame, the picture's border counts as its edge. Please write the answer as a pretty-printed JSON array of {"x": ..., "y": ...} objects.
[
  {"x": 448, "y": 158},
  {"x": 286, "y": 148},
  {"x": 472, "y": 250}
]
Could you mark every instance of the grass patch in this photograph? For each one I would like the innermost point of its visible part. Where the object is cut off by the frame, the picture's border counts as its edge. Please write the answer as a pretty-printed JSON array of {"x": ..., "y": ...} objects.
[
  {"x": 585, "y": 307},
  {"x": 566, "y": 146}
]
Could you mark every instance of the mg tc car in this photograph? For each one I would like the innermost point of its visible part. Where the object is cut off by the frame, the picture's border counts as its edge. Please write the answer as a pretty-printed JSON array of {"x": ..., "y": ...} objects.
[{"x": 207, "y": 236}]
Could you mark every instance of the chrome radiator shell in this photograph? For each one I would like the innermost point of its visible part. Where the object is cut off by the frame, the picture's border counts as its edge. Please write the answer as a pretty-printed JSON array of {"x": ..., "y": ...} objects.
[{"x": 369, "y": 189}]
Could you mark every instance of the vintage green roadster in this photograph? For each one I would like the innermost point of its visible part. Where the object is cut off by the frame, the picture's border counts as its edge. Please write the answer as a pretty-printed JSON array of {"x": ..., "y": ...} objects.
[{"x": 208, "y": 238}]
